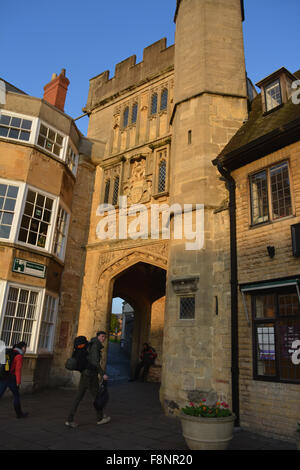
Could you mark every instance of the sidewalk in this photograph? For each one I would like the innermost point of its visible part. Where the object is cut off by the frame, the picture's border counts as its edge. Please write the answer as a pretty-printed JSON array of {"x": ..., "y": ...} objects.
[{"x": 137, "y": 423}]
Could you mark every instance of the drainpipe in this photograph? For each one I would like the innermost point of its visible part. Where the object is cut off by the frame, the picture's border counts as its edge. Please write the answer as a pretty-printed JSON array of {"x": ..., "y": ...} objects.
[{"x": 230, "y": 185}]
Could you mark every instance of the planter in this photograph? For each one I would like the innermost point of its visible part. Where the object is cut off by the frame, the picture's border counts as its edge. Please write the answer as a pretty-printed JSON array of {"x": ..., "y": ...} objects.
[{"x": 207, "y": 433}]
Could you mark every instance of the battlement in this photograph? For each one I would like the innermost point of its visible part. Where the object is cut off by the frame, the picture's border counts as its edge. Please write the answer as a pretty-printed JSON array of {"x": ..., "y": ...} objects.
[{"x": 157, "y": 58}]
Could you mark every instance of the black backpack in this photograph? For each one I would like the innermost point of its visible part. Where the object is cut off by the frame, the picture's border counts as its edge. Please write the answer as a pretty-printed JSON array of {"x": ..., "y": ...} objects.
[
  {"x": 5, "y": 369},
  {"x": 79, "y": 359}
]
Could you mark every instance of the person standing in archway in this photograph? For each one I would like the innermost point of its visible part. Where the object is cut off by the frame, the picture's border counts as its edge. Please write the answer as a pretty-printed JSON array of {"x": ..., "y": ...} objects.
[
  {"x": 147, "y": 359},
  {"x": 89, "y": 380}
]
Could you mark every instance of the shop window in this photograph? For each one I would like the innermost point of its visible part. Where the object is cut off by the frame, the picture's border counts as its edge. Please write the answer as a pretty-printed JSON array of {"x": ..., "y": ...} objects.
[{"x": 276, "y": 329}]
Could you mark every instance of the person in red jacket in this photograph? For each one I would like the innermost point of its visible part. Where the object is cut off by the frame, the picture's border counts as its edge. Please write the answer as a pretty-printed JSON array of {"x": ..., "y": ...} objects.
[
  {"x": 13, "y": 380},
  {"x": 147, "y": 358}
]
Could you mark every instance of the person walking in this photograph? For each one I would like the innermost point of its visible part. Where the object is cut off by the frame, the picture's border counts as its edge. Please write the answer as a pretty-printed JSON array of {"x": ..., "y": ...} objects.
[
  {"x": 147, "y": 358},
  {"x": 13, "y": 379},
  {"x": 89, "y": 380}
]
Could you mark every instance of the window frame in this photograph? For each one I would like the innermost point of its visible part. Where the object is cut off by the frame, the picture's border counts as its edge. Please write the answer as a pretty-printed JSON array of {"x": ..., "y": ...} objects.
[
  {"x": 64, "y": 145},
  {"x": 274, "y": 321},
  {"x": 62, "y": 254},
  {"x": 33, "y": 130},
  {"x": 17, "y": 210},
  {"x": 50, "y": 234},
  {"x": 69, "y": 144},
  {"x": 164, "y": 150},
  {"x": 277, "y": 81},
  {"x": 33, "y": 347},
  {"x": 270, "y": 205}
]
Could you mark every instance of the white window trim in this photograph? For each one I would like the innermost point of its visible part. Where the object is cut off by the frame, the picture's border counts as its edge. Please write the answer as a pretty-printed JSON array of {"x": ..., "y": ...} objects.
[
  {"x": 18, "y": 208},
  {"x": 64, "y": 143},
  {"x": 33, "y": 131},
  {"x": 64, "y": 207},
  {"x": 51, "y": 341},
  {"x": 50, "y": 235},
  {"x": 32, "y": 348},
  {"x": 70, "y": 143}
]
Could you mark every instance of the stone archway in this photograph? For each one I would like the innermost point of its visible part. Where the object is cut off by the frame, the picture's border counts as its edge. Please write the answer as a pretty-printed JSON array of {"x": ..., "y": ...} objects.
[{"x": 109, "y": 276}]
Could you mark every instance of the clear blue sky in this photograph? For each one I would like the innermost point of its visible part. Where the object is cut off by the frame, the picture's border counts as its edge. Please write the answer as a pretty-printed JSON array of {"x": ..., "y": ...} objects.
[{"x": 87, "y": 37}]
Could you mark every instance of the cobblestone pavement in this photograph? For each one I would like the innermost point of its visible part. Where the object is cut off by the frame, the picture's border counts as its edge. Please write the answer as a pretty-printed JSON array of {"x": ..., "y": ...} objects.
[{"x": 137, "y": 421}]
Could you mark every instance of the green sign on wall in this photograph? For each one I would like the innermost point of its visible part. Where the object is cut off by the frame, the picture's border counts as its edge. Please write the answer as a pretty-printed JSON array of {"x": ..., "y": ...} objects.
[{"x": 28, "y": 267}]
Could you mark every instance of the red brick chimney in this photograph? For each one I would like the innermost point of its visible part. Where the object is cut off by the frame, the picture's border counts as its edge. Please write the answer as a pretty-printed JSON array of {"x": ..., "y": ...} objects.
[{"x": 55, "y": 91}]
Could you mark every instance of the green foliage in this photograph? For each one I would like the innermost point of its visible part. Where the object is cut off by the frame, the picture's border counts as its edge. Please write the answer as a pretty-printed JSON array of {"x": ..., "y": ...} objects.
[{"x": 219, "y": 410}]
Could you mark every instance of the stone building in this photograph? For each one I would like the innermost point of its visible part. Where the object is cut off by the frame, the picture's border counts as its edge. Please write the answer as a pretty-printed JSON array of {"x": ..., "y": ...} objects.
[
  {"x": 261, "y": 165},
  {"x": 153, "y": 216}
]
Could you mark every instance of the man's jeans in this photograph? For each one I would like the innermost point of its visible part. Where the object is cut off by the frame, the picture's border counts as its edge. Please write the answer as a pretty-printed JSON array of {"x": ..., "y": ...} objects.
[
  {"x": 12, "y": 385},
  {"x": 91, "y": 383}
]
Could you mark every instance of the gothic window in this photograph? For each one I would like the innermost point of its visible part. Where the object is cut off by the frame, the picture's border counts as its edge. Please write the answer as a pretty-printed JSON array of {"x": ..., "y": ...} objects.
[
  {"x": 116, "y": 191},
  {"x": 134, "y": 113},
  {"x": 106, "y": 191},
  {"x": 164, "y": 99},
  {"x": 162, "y": 173},
  {"x": 125, "y": 117},
  {"x": 161, "y": 178},
  {"x": 154, "y": 103}
]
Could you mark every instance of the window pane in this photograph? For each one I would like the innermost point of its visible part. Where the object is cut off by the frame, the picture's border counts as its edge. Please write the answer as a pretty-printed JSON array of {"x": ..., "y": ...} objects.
[
  {"x": 288, "y": 304},
  {"x": 4, "y": 119},
  {"x": 164, "y": 100},
  {"x": 162, "y": 176},
  {"x": 15, "y": 122},
  {"x": 26, "y": 124},
  {"x": 106, "y": 192},
  {"x": 280, "y": 188},
  {"x": 273, "y": 95},
  {"x": 3, "y": 131},
  {"x": 154, "y": 104},
  {"x": 13, "y": 133},
  {"x": 134, "y": 113},
  {"x": 187, "y": 308},
  {"x": 259, "y": 198},
  {"x": 265, "y": 306},
  {"x": 265, "y": 350},
  {"x": 7, "y": 207},
  {"x": 116, "y": 191},
  {"x": 125, "y": 117}
]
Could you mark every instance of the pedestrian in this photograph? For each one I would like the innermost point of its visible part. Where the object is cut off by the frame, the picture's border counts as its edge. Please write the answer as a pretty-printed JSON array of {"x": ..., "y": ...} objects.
[
  {"x": 13, "y": 379},
  {"x": 89, "y": 380},
  {"x": 147, "y": 358}
]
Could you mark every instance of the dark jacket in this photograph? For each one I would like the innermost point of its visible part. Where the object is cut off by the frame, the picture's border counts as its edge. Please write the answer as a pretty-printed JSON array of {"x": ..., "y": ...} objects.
[
  {"x": 94, "y": 358},
  {"x": 148, "y": 355}
]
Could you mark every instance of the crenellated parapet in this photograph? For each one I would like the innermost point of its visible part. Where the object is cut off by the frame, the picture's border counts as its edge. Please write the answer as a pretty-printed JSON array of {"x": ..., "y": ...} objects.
[{"x": 157, "y": 58}]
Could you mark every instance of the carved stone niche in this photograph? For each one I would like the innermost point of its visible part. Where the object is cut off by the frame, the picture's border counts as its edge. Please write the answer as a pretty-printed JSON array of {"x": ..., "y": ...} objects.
[{"x": 185, "y": 285}]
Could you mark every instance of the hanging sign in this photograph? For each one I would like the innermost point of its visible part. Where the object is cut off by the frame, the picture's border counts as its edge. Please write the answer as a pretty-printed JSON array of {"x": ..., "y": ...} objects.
[{"x": 23, "y": 266}]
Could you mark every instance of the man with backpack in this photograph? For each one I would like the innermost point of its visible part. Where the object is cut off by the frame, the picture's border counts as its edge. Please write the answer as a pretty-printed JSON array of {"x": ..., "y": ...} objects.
[
  {"x": 10, "y": 375},
  {"x": 90, "y": 369}
]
